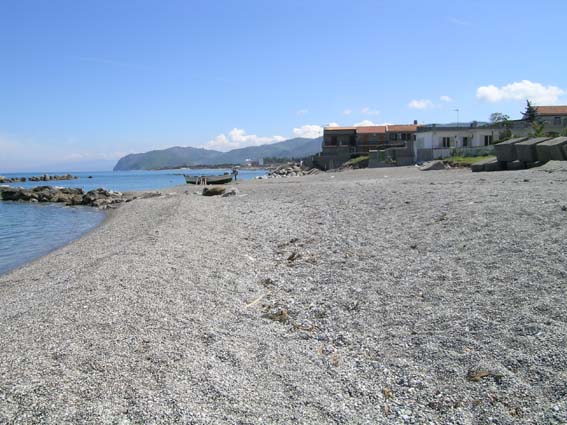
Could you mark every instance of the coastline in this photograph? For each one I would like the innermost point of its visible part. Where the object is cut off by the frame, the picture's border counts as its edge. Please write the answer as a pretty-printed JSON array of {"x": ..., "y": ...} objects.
[
  {"x": 42, "y": 250},
  {"x": 87, "y": 181},
  {"x": 343, "y": 297}
]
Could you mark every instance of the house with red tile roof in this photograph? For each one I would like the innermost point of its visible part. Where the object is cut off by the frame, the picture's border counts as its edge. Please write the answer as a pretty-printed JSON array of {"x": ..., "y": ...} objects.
[
  {"x": 343, "y": 143},
  {"x": 553, "y": 117}
]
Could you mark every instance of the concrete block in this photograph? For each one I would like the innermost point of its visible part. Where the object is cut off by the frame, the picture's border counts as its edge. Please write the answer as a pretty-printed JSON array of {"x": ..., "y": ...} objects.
[
  {"x": 526, "y": 151},
  {"x": 552, "y": 150},
  {"x": 534, "y": 164},
  {"x": 515, "y": 165},
  {"x": 491, "y": 164},
  {"x": 506, "y": 151}
]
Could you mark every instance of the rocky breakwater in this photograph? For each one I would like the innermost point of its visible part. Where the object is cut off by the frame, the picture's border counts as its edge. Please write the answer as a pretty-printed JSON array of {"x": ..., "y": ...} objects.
[
  {"x": 292, "y": 170},
  {"x": 100, "y": 198},
  {"x": 42, "y": 178}
]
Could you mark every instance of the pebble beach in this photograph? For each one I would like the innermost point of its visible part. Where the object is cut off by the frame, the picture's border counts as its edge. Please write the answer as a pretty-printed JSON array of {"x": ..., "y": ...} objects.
[{"x": 378, "y": 296}]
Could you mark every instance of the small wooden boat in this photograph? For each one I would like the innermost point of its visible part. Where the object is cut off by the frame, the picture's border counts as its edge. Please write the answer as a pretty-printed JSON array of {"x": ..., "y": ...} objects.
[{"x": 224, "y": 179}]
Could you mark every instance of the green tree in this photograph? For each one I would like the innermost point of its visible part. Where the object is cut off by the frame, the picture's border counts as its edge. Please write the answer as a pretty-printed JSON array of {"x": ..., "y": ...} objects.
[
  {"x": 538, "y": 129},
  {"x": 530, "y": 114},
  {"x": 505, "y": 135},
  {"x": 498, "y": 117}
]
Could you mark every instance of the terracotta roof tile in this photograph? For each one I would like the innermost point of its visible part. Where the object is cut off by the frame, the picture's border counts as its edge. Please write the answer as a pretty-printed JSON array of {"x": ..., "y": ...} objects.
[
  {"x": 404, "y": 128},
  {"x": 371, "y": 129},
  {"x": 552, "y": 110},
  {"x": 339, "y": 128}
]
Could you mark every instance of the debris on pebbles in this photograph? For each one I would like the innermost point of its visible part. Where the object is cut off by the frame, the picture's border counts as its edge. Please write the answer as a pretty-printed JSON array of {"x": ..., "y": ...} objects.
[{"x": 292, "y": 170}]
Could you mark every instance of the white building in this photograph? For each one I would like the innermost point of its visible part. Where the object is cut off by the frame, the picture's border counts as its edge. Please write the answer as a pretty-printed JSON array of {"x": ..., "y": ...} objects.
[{"x": 434, "y": 141}]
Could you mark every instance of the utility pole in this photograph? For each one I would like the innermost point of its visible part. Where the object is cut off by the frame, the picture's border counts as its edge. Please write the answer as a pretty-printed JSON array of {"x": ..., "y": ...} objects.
[{"x": 456, "y": 136}]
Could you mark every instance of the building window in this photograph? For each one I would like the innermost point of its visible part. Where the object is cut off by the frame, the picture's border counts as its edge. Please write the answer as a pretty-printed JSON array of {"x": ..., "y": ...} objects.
[
  {"x": 487, "y": 140},
  {"x": 446, "y": 142},
  {"x": 564, "y": 122},
  {"x": 465, "y": 142},
  {"x": 557, "y": 121},
  {"x": 334, "y": 140}
]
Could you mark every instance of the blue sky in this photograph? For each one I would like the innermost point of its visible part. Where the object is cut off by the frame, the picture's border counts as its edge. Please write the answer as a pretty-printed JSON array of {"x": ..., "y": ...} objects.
[{"x": 84, "y": 82}]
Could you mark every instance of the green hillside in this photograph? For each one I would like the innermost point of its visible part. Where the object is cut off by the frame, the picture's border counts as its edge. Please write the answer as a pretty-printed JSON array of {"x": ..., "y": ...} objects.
[{"x": 176, "y": 157}]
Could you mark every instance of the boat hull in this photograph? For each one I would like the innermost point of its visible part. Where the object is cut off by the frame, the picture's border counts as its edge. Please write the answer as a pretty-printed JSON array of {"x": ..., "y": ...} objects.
[{"x": 224, "y": 179}]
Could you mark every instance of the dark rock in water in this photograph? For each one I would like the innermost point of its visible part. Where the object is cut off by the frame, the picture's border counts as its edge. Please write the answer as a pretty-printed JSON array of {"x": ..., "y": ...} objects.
[
  {"x": 12, "y": 179},
  {"x": 47, "y": 177},
  {"x": 11, "y": 193},
  {"x": 43, "y": 178},
  {"x": 100, "y": 198},
  {"x": 213, "y": 191}
]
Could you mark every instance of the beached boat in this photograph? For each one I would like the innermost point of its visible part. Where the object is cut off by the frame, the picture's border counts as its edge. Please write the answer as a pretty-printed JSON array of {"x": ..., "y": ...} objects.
[{"x": 223, "y": 179}]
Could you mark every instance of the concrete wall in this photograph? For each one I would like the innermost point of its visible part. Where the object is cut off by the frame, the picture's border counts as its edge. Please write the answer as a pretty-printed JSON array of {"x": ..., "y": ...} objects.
[
  {"x": 524, "y": 129},
  {"x": 392, "y": 156},
  {"x": 329, "y": 161}
]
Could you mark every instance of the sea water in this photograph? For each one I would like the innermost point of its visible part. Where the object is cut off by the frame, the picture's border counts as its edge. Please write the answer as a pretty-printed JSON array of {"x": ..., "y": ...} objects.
[{"x": 28, "y": 231}]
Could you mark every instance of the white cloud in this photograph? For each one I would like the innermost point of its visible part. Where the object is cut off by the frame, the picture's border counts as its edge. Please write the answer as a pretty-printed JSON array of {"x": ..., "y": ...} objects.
[
  {"x": 237, "y": 138},
  {"x": 446, "y": 99},
  {"x": 521, "y": 90},
  {"x": 421, "y": 104},
  {"x": 332, "y": 124},
  {"x": 368, "y": 123},
  {"x": 308, "y": 131},
  {"x": 365, "y": 123},
  {"x": 368, "y": 111},
  {"x": 302, "y": 112},
  {"x": 347, "y": 112}
]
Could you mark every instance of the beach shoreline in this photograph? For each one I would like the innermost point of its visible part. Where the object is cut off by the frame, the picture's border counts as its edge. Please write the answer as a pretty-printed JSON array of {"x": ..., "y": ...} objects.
[{"x": 380, "y": 296}]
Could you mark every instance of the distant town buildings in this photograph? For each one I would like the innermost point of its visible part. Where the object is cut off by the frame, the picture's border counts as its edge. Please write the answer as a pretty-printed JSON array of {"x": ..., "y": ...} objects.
[
  {"x": 254, "y": 163},
  {"x": 388, "y": 145}
]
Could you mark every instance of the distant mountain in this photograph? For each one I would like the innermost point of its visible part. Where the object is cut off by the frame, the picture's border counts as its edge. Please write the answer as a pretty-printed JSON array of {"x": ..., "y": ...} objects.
[
  {"x": 166, "y": 158},
  {"x": 179, "y": 156}
]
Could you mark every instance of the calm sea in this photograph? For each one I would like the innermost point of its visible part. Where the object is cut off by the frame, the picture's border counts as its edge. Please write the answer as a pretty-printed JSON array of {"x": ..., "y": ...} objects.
[{"x": 28, "y": 231}]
